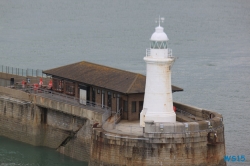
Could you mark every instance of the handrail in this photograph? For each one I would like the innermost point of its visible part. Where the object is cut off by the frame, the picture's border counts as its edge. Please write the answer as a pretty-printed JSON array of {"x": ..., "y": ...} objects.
[
  {"x": 148, "y": 52},
  {"x": 170, "y": 53},
  {"x": 65, "y": 98}
]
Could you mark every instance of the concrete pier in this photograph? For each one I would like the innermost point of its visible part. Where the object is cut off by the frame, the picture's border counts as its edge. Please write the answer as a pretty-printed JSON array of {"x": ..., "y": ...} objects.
[
  {"x": 197, "y": 139},
  {"x": 40, "y": 119}
]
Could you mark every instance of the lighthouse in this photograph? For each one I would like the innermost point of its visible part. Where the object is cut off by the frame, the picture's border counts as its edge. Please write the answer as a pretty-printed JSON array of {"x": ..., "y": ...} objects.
[{"x": 158, "y": 102}]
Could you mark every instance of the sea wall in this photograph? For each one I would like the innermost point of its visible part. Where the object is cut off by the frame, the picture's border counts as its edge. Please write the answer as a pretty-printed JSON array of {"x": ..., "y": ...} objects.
[
  {"x": 197, "y": 143},
  {"x": 179, "y": 150},
  {"x": 40, "y": 121},
  {"x": 23, "y": 117}
]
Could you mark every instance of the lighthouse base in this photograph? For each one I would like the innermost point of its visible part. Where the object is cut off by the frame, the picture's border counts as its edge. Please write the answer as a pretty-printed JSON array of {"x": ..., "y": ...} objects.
[{"x": 160, "y": 117}]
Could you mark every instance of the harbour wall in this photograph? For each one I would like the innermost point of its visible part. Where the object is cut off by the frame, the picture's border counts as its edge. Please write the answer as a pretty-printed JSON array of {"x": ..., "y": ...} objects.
[
  {"x": 40, "y": 121},
  {"x": 198, "y": 143}
]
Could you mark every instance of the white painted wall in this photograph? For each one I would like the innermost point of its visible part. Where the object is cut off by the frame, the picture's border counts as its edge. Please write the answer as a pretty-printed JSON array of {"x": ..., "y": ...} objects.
[{"x": 158, "y": 102}]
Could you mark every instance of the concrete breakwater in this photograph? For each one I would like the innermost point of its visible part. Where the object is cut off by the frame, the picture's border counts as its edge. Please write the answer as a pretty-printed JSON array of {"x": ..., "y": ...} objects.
[
  {"x": 183, "y": 143},
  {"x": 196, "y": 139},
  {"x": 35, "y": 120}
]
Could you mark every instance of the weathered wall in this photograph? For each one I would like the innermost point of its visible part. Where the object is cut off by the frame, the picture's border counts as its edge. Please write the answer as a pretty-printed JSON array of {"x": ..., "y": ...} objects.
[
  {"x": 20, "y": 122},
  {"x": 178, "y": 150},
  {"x": 24, "y": 120},
  {"x": 79, "y": 146},
  {"x": 67, "y": 108},
  {"x": 198, "y": 143}
]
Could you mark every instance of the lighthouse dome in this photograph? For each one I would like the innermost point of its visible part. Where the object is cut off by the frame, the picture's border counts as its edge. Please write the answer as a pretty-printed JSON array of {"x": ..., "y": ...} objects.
[{"x": 159, "y": 34}]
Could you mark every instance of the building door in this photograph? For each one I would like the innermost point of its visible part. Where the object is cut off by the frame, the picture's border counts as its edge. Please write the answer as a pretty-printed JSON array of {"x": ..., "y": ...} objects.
[
  {"x": 83, "y": 96},
  {"x": 125, "y": 110},
  {"x": 103, "y": 99},
  {"x": 117, "y": 104}
]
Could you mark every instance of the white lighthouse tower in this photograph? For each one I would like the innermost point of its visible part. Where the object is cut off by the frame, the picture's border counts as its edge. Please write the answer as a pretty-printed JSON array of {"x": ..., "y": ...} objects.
[{"x": 158, "y": 102}]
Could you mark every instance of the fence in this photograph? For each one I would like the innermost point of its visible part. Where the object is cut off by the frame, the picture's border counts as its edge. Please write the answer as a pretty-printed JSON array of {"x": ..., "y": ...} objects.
[
  {"x": 4, "y": 82},
  {"x": 22, "y": 72},
  {"x": 72, "y": 100}
]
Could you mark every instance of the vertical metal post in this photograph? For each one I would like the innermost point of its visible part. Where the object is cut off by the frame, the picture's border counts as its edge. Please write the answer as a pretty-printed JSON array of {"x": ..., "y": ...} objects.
[{"x": 27, "y": 72}]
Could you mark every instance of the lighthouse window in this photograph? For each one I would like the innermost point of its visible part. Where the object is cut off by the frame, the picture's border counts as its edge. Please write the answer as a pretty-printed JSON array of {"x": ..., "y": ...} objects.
[
  {"x": 159, "y": 44},
  {"x": 153, "y": 44}
]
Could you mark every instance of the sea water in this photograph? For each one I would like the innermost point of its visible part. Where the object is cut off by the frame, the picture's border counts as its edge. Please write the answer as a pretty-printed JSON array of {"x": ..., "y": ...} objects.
[{"x": 209, "y": 38}]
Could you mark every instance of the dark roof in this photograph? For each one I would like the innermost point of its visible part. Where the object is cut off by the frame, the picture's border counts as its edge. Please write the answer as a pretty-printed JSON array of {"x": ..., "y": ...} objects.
[{"x": 103, "y": 76}]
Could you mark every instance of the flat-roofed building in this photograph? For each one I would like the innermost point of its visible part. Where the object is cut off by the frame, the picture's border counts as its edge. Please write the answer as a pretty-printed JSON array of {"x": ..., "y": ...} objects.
[{"x": 110, "y": 87}]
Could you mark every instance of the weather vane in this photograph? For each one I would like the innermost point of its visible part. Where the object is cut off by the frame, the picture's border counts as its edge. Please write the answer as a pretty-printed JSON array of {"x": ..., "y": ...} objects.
[{"x": 159, "y": 20}]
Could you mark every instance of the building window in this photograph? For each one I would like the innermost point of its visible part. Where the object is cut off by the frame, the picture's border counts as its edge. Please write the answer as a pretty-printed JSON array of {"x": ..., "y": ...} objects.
[
  {"x": 69, "y": 88},
  {"x": 58, "y": 84},
  {"x": 98, "y": 91},
  {"x": 125, "y": 106},
  {"x": 93, "y": 96},
  {"x": 113, "y": 95},
  {"x": 133, "y": 106},
  {"x": 109, "y": 99},
  {"x": 118, "y": 104}
]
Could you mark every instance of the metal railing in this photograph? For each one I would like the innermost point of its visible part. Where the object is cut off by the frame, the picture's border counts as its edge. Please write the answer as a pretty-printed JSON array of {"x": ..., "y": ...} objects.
[
  {"x": 170, "y": 53},
  {"x": 22, "y": 72},
  {"x": 4, "y": 82},
  {"x": 128, "y": 129},
  {"x": 148, "y": 52},
  {"x": 185, "y": 113},
  {"x": 132, "y": 129},
  {"x": 72, "y": 100}
]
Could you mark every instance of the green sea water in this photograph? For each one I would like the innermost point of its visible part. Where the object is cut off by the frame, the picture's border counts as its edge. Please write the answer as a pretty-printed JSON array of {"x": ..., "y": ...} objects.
[{"x": 13, "y": 153}]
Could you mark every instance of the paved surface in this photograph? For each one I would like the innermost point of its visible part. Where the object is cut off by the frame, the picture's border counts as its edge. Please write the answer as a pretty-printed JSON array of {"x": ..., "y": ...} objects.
[
  {"x": 132, "y": 127},
  {"x": 124, "y": 127}
]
